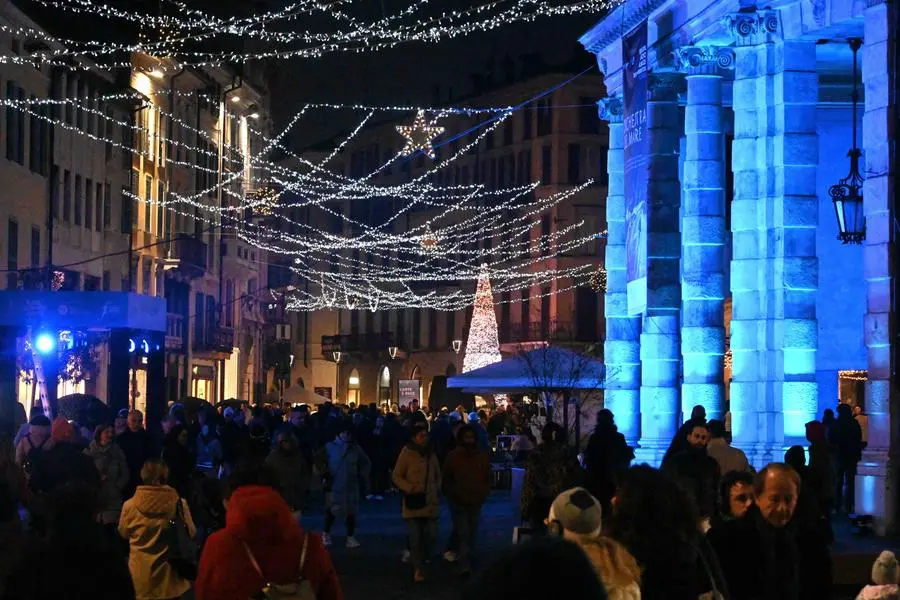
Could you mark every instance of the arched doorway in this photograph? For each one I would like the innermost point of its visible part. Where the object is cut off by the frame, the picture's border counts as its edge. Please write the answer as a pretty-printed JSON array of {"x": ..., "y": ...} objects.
[
  {"x": 353, "y": 387},
  {"x": 385, "y": 387}
]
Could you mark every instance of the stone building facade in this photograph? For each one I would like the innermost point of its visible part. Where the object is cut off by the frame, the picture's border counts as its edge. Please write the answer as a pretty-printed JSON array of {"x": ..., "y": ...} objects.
[{"x": 753, "y": 306}]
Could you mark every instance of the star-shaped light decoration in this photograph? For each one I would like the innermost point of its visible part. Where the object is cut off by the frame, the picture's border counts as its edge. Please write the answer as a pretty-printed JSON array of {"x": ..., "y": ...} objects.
[
  {"x": 419, "y": 135},
  {"x": 429, "y": 240}
]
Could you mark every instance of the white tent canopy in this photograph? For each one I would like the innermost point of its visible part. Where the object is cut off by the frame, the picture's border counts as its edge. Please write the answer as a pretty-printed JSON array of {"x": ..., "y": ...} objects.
[
  {"x": 300, "y": 395},
  {"x": 543, "y": 369}
]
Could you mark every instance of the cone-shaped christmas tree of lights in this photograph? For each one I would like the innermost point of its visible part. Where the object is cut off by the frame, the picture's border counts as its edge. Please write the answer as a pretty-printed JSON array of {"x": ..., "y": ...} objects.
[{"x": 483, "y": 345}]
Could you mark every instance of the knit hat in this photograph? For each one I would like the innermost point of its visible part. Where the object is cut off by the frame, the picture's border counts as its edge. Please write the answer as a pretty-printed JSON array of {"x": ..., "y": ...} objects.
[
  {"x": 473, "y": 417},
  {"x": 228, "y": 413},
  {"x": 455, "y": 417},
  {"x": 577, "y": 511},
  {"x": 63, "y": 431},
  {"x": 122, "y": 414},
  {"x": 884, "y": 571}
]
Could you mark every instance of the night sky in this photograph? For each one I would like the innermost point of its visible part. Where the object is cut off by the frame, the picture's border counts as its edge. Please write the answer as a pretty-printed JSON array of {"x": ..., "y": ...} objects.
[{"x": 414, "y": 73}]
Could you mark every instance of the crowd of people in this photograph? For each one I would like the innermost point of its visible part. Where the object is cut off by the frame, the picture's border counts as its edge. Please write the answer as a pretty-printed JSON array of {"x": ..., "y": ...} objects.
[
  {"x": 209, "y": 507},
  {"x": 705, "y": 524}
]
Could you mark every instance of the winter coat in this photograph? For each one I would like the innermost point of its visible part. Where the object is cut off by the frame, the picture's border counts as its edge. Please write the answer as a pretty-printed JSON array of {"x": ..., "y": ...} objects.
[
  {"x": 145, "y": 518},
  {"x": 467, "y": 476},
  {"x": 347, "y": 468},
  {"x": 138, "y": 448},
  {"x": 848, "y": 441},
  {"x": 728, "y": 458},
  {"x": 62, "y": 464},
  {"x": 113, "y": 470},
  {"x": 759, "y": 561},
  {"x": 551, "y": 469},
  {"x": 698, "y": 473},
  {"x": 879, "y": 592},
  {"x": 418, "y": 471},
  {"x": 606, "y": 458},
  {"x": 293, "y": 475},
  {"x": 259, "y": 518}
]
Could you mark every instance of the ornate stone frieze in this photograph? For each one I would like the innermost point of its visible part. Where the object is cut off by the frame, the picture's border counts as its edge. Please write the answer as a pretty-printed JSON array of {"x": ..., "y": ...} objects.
[
  {"x": 610, "y": 108},
  {"x": 664, "y": 86},
  {"x": 752, "y": 28},
  {"x": 705, "y": 60}
]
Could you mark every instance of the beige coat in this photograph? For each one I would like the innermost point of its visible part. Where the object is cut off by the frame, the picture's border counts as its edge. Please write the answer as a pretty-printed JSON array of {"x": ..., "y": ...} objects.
[
  {"x": 409, "y": 477},
  {"x": 144, "y": 519}
]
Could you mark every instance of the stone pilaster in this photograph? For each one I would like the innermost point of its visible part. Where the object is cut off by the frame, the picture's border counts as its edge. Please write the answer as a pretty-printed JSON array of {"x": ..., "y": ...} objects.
[
  {"x": 703, "y": 230},
  {"x": 876, "y": 491},
  {"x": 660, "y": 328},
  {"x": 774, "y": 269},
  {"x": 621, "y": 349}
]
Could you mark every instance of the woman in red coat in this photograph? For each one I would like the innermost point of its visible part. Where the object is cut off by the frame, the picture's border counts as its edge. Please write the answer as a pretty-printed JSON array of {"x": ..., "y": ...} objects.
[{"x": 259, "y": 520}]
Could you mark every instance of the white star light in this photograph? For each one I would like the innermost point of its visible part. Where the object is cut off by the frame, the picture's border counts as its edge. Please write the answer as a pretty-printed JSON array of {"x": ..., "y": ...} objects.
[{"x": 419, "y": 135}]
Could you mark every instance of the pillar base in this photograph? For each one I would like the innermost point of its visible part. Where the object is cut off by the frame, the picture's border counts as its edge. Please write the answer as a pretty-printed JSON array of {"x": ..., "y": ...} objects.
[
  {"x": 650, "y": 452},
  {"x": 876, "y": 490}
]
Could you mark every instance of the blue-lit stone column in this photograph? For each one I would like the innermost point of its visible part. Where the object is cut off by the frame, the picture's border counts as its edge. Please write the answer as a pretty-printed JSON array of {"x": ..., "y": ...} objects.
[
  {"x": 876, "y": 482},
  {"x": 621, "y": 349},
  {"x": 660, "y": 327},
  {"x": 703, "y": 234},
  {"x": 774, "y": 269}
]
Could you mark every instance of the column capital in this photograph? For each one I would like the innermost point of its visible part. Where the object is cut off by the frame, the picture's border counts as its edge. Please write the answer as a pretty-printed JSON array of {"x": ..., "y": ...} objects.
[
  {"x": 664, "y": 85},
  {"x": 610, "y": 108},
  {"x": 705, "y": 60},
  {"x": 752, "y": 28}
]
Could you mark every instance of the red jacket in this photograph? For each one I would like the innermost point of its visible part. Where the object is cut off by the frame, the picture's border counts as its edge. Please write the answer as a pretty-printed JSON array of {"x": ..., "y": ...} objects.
[{"x": 260, "y": 518}]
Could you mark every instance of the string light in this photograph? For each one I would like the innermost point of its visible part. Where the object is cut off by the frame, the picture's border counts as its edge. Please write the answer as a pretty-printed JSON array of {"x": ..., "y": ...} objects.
[
  {"x": 465, "y": 213},
  {"x": 404, "y": 27},
  {"x": 854, "y": 375}
]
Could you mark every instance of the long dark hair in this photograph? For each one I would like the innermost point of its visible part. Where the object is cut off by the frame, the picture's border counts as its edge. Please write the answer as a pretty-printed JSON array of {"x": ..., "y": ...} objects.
[{"x": 656, "y": 521}]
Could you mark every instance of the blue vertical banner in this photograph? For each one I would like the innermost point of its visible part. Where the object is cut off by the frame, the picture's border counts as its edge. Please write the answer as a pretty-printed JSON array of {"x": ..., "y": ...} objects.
[{"x": 634, "y": 101}]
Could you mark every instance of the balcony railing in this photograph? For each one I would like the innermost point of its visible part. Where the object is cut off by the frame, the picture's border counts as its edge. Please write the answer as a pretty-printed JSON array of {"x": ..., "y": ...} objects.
[
  {"x": 360, "y": 342},
  {"x": 546, "y": 331},
  {"x": 216, "y": 339},
  {"x": 174, "y": 331}
]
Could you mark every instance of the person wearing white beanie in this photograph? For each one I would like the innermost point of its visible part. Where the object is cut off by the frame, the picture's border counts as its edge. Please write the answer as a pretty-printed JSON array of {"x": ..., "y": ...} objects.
[
  {"x": 885, "y": 577},
  {"x": 576, "y": 515}
]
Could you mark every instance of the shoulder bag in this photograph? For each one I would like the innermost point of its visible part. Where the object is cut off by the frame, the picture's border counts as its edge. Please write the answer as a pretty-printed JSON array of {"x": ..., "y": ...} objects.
[{"x": 182, "y": 551}]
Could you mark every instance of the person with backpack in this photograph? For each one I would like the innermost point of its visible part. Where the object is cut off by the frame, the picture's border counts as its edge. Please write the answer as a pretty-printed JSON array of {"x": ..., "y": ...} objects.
[
  {"x": 33, "y": 444},
  {"x": 263, "y": 551}
]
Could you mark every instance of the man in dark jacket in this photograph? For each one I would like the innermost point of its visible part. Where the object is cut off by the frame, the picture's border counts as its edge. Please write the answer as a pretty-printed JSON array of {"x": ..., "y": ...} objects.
[
  {"x": 65, "y": 462},
  {"x": 758, "y": 552},
  {"x": 467, "y": 483},
  {"x": 606, "y": 458},
  {"x": 696, "y": 470},
  {"x": 847, "y": 437},
  {"x": 138, "y": 447}
]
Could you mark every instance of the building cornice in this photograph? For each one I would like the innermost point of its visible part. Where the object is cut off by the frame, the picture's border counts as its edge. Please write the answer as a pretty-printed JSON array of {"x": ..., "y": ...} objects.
[{"x": 619, "y": 22}]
